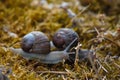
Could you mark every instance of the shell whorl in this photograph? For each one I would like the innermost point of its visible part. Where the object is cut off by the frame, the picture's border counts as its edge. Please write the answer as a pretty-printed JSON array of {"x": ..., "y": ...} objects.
[
  {"x": 63, "y": 37},
  {"x": 35, "y": 42}
]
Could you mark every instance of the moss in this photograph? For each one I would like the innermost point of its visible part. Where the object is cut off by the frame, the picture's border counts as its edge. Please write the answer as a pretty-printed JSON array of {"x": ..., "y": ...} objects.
[{"x": 20, "y": 18}]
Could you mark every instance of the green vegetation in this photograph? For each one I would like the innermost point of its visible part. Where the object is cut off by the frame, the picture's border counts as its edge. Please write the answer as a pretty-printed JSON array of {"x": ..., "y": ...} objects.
[{"x": 97, "y": 26}]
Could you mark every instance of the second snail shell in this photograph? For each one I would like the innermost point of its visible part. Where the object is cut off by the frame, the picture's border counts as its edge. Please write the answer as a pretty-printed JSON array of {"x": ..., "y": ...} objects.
[
  {"x": 63, "y": 37},
  {"x": 35, "y": 42}
]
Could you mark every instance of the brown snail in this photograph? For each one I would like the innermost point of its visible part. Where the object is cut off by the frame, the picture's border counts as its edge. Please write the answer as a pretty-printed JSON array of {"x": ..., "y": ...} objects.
[
  {"x": 52, "y": 57},
  {"x": 3, "y": 76},
  {"x": 35, "y": 45},
  {"x": 63, "y": 37},
  {"x": 35, "y": 42}
]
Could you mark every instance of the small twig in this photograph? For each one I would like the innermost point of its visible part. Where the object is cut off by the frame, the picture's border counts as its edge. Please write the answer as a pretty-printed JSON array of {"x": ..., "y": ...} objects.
[
  {"x": 63, "y": 77},
  {"x": 86, "y": 77},
  {"x": 54, "y": 72},
  {"x": 112, "y": 41},
  {"x": 99, "y": 69},
  {"x": 104, "y": 78},
  {"x": 78, "y": 15},
  {"x": 107, "y": 65},
  {"x": 93, "y": 65},
  {"x": 80, "y": 12},
  {"x": 77, "y": 52},
  {"x": 106, "y": 58},
  {"x": 117, "y": 65},
  {"x": 105, "y": 37},
  {"x": 101, "y": 66},
  {"x": 12, "y": 44},
  {"x": 97, "y": 30}
]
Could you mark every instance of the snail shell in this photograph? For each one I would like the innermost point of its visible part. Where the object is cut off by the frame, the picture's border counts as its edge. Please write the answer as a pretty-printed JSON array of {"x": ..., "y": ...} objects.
[
  {"x": 63, "y": 37},
  {"x": 35, "y": 42}
]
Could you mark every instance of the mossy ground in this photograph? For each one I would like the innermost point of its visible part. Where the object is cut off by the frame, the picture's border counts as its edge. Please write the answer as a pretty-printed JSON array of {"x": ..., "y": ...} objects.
[{"x": 20, "y": 17}]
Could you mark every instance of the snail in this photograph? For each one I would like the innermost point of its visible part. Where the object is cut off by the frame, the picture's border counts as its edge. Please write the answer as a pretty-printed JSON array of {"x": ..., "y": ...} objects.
[
  {"x": 3, "y": 77},
  {"x": 52, "y": 57},
  {"x": 35, "y": 42},
  {"x": 63, "y": 37},
  {"x": 83, "y": 55}
]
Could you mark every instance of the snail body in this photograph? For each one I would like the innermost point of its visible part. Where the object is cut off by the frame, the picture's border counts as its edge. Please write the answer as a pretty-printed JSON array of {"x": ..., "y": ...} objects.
[
  {"x": 36, "y": 46},
  {"x": 3, "y": 77},
  {"x": 35, "y": 42},
  {"x": 63, "y": 37},
  {"x": 83, "y": 55},
  {"x": 50, "y": 58}
]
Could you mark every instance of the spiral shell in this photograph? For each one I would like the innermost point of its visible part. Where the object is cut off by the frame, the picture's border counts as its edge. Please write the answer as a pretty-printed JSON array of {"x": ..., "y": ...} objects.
[
  {"x": 63, "y": 37},
  {"x": 35, "y": 42}
]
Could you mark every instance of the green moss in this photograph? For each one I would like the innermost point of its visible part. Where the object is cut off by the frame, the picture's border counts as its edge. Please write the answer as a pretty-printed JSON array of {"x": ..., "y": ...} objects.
[{"x": 21, "y": 18}]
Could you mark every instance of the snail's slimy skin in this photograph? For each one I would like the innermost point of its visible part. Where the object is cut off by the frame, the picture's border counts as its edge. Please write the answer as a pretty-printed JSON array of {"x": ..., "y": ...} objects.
[
  {"x": 84, "y": 54},
  {"x": 51, "y": 58},
  {"x": 3, "y": 77}
]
